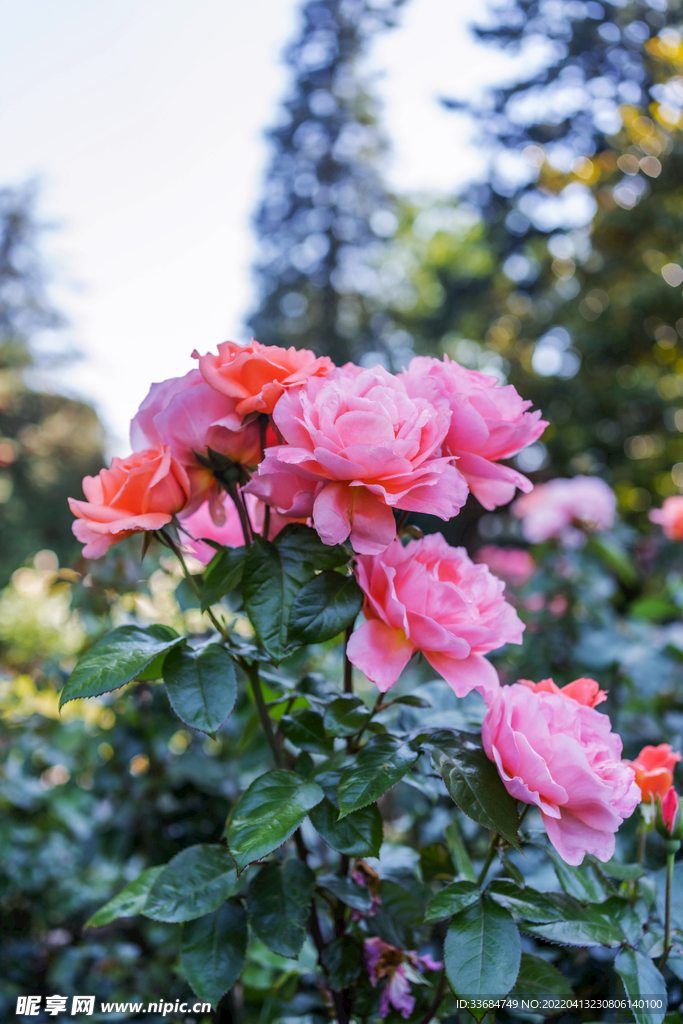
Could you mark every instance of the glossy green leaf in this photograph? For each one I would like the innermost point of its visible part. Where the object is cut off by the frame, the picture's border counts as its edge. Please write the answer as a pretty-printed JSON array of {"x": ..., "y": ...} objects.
[
  {"x": 345, "y": 716},
  {"x": 195, "y": 882},
  {"x": 436, "y": 863},
  {"x": 598, "y": 924},
  {"x": 482, "y": 952},
  {"x": 512, "y": 870},
  {"x": 452, "y": 899},
  {"x": 116, "y": 659},
  {"x": 268, "y": 813},
  {"x": 347, "y": 891},
  {"x": 342, "y": 959},
  {"x": 359, "y": 834},
  {"x": 537, "y": 979},
  {"x": 624, "y": 872},
  {"x": 323, "y": 608},
  {"x": 379, "y": 765},
  {"x": 526, "y": 903},
  {"x": 279, "y": 905},
  {"x": 473, "y": 782},
  {"x": 411, "y": 699},
  {"x": 642, "y": 980},
  {"x": 213, "y": 951},
  {"x": 461, "y": 857},
  {"x": 585, "y": 882},
  {"x": 201, "y": 686},
  {"x": 129, "y": 902},
  {"x": 222, "y": 575},
  {"x": 304, "y": 728},
  {"x": 399, "y": 919}
]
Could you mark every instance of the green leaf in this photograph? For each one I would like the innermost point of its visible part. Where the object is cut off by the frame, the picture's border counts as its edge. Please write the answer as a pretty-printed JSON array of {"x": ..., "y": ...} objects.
[
  {"x": 459, "y": 854},
  {"x": 473, "y": 782},
  {"x": 116, "y": 659},
  {"x": 201, "y": 686},
  {"x": 304, "y": 728},
  {"x": 222, "y": 575},
  {"x": 379, "y": 765},
  {"x": 641, "y": 980},
  {"x": 345, "y": 716},
  {"x": 598, "y": 924},
  {"x": 537, "y": 979},
  {"x": 436, "y": 863},
  {"x": 400, "y": 914},
  {"x": 359, "y": 834},
  {"x": 129, "y": 902},
  {"x": 195, "y": 882},
  {"x": 584, "y": 883},
  {"x": 411, "y": 699},
  {"x": 482, "y": 952},
  {"x": 526, "y": 903},
  {"x": 323, "y": 608},
  {"x": 512, "y": 870},
  {"x": 452, "y": 899},
  {"x": 342, "y": 960},
  {"x": 279, "y": 905},
  {"x": 301, "y": 542},
  {"x": 268, "y": 813},
  {"x": 347, "y": 891},
  {"x": 213, "y": 951},
  {"x": 624, "y": 872}
]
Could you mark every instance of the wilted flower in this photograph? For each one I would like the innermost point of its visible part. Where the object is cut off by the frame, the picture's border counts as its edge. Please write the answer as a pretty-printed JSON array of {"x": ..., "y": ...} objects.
[{"x": 385, "y": 961}]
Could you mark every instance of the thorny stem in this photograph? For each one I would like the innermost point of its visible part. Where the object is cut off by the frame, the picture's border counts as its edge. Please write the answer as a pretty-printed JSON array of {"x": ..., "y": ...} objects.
[
  {"x": 193, "y": 583},
  {"x": 667, "y": 914},
  {"x": 348, "y": 667},
  {"x": 252, "y": 672},
  {"x": 489, "y": 857},
  {"x": 234, "y": 493},
  {"x": 266, "y": 523},
  {"x": 440, "y": 993}
]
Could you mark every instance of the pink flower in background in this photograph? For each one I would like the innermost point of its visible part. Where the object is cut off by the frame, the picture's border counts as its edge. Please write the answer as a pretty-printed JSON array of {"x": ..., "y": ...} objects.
[
  {"x": 202, "y": 524},
  {"x": 553, "y": 509},
  {"x": 430, "y": 597},
  {"x": 372, "y": 442},
  {"x": 142, "y": 492},
  {"x": 255, "y": 375},
  {"x": 670, "y": 517},
  {"x": 562, "y": 756},
  {"x": 488, "y": 423},
  {"x": 512, "y": 565},
  {"x": 385, "y": 961}
]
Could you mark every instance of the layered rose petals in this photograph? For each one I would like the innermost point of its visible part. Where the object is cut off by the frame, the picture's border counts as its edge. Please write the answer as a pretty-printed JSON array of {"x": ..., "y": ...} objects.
[
  {"x": 654, "y": 768},
  {"x": 488, "y": 423},
  {"x": 430, "y": 597},
  {"x": 583, "y": 691},
  {"x": 557, "y": 508},
  {"x": 359, "y": 444},
  {"x": 142, "y": 492},
  {"x": 562, "y": 756}
]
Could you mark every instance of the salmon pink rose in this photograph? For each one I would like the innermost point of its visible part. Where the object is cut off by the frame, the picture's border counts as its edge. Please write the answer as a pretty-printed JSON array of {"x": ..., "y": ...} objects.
[
  {"x": 512, "y": 565},
  {"x": 584, "y": 691},
  {"x": 557, "y": 508},
  {"x": 488, "y": 423},
  {"x": 654, "y": 768},
  {"x": 562, "y": 756},
  {"x": 142, "y": 492},
  {"x": 430, "y": 597},
  {"x": 670, "y": 517},
  {"x": 368, "y": 442},
  {"x": 255, "y": 375}
]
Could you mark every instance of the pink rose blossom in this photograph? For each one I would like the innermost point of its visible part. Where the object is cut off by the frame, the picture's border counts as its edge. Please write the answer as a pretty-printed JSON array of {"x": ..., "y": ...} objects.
[
  {"x": 367, "y": 442},
  {"x": 560, "y": 754},
  {"x": 201, "y": 524},
  {"x": 430, "y": 597},
  {"x": 385, "y": 961},
  {"x": 670, "y": 517},
  {"x": 553, "y": 509},
  {"x": 488, "y": 423},
  {"x": 512, "y": 565}
]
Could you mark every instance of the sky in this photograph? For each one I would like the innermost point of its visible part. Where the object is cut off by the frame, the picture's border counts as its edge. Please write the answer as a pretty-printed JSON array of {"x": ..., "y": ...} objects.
[{"x": 144, "y": 125}]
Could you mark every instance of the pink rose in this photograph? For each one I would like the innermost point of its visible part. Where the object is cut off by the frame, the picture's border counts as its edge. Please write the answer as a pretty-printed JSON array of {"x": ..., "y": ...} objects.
[
  {"x": 512, "y": 565},
  {"x": 562, "y": 756},
  {"x": 201, "y": 524},
  {"x": 142, "y": 492},
  {"x": 368, "y": 442},
  {"x": 255, "y": 375},
  {"x": 670, "y": 517},
  {"x": 488, "y": 423},
  {"x": 430, "y": 597},
  {"x": 556, "y": 508}
]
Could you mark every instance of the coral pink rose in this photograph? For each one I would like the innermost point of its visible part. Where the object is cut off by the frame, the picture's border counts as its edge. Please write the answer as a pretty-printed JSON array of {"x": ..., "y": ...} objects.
[
  {"x": 255, "y": 375},
  {"x": 201, "y": 525},
  {"x": 556, "y": 508},
  {"x": 430, "y": 597},
  {"x": 562, "y": 756},
  {"x": 654, "y": 768},
  {"x": 670, "y": 517},
  {"x": 488, "y": 423},
  {"x": 372, "y": 442},
  {"x": 512, "y": 565},
  {"x": 142, "y": 492},
  {"x": 583, "y": 691}
]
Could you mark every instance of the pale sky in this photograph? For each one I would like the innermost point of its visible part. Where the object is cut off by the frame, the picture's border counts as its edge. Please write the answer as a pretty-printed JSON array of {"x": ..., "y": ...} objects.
[{"x": 144, "y": 121}]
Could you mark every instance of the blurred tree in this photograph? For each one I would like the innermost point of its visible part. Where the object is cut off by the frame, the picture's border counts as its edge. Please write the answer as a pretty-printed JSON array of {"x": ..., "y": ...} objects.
[
  {"x": 47, "y": 442},
  {"x": 325, "y": 208}
]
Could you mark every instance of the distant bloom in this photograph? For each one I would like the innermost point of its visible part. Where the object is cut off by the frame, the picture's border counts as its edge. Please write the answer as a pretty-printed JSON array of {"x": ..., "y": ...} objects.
[
  {"x": 488, "y": 423},
  {"x": 562, "y": 756},
  {"x": 201, "y": 525},
  {"x": 670, "y": 517},
  {"x": 557, "y": 508},
  {"x": 255, "y": 375},
  {"x": 385, "y": 961},
  {"x": 430, "y": 597},
  {"x": 512, "y": 565},
  {"x": 654, "y": 768},
  {"x": 142, "y": 492},
  {"x": 583, "y": 691},
  {"x": 367, "y": 442}
]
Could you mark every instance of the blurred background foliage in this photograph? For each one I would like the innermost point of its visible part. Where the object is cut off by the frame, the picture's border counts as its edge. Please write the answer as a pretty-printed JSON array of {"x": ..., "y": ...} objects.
[{"x": 560, "y": 273}]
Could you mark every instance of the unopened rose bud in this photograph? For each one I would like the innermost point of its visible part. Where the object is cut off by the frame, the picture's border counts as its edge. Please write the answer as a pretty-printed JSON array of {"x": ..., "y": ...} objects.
[{"x": 668, "y": 819}]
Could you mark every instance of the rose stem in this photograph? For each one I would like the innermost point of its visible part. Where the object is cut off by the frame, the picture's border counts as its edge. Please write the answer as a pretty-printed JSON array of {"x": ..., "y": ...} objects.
[{"x": 252, "y": 672}]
